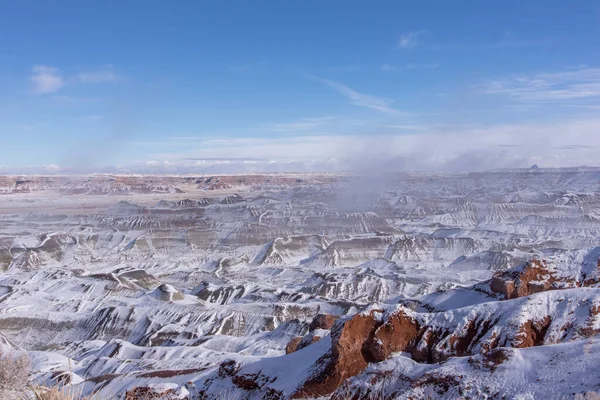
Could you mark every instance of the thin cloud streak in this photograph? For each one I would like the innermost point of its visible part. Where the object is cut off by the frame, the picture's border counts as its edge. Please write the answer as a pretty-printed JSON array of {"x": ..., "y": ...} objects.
[
  {"x": 305, "y": 124},
  {"x": 504, "y": 43},
  {"x": 408, "y": 67},
  {"x": 561, "y": 86},
  {"x": 345, "y": 68},
  {"x": 104, "y": 75},
  {"x": 362, "y": 100}
]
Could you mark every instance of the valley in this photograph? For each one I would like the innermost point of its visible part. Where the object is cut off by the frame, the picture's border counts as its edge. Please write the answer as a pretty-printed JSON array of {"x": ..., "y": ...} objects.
[{"x": 305, "y": 285}]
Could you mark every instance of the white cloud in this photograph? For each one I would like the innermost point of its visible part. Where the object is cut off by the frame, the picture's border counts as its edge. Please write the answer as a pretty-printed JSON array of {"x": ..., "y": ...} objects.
[
  {"x": 303, "y": 125},
  {"x": 579, "y": 84},
  {"x": 507, "y": 42},
  {"x": 428, "y": 148},
  {"x": 103, "y": 75},
  {"x": 435, "y": 148},
  {"x": 46, "y": 79},
  {"x": 409, "y": 39},
  {"x": 362, "y": 100}
]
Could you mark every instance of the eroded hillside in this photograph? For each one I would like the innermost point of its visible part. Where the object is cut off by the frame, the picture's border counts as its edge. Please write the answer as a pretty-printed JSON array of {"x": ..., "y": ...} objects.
[{"x": 305, "y": 285}]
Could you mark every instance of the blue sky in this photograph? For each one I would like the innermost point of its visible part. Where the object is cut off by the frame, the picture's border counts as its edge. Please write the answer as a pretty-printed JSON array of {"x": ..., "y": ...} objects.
[{"x": 90, "y": 84}]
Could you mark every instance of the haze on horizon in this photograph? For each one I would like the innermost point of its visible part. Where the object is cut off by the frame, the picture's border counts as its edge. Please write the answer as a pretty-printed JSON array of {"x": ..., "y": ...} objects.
[{"x": 305, "y": 86}]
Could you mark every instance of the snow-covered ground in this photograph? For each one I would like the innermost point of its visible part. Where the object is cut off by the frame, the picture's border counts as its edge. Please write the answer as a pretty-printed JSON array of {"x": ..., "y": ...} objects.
[{"x": 139, "y": 281}]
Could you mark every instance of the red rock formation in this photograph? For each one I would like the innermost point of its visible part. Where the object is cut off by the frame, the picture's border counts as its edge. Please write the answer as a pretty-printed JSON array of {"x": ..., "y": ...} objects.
[
  {"x": 346, "y": 358},
  {"x": 537, "y": 276},
  {"x": 434, "y": 337},
  {"x": 365, "y": 339},
  {"x": 292, "y": 346},
  {"x": 532, "y": 333},
  {"x": 323, "y": 321},
  {"x": 320, "y": 321},
  {"x": 228, "y": 368},
  {"x": 533, "y": 277},
  {"x": 308, "y": 340},
  {"x": 589, "y": 330},
  {"x": 490, "y": 359},
  {"x": 146, "y": 393},
  {"x": 399, "y": 333},
  {"x": 594, "y": 279}
]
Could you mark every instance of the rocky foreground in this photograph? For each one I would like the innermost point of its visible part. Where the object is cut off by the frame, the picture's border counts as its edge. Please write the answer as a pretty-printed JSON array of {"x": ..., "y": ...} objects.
[{"x": 530, "y": 329}]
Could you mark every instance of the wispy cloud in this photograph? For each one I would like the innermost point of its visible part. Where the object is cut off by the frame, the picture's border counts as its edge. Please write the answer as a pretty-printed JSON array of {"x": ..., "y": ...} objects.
[
  {"x": 413, "y": 39},
  {"x": 409, "y": 39},
  {"x": 76, "y": 99},
  {"x": 405, "y": 127},
  {"x": 435, "y": 148},
  {"x": 303, "y": 125},
  {"x": 578, "y": 84},
  {"x": 360, "y": 99},
  {"x": 506, "y": 42},
  {"x": 407, "y": 67},
  {"x": 344, "y": 68},
  {"x": 46, "y": 79},
  {"x": 103, "y": 75},
  {"x": 515, "y": 43}
]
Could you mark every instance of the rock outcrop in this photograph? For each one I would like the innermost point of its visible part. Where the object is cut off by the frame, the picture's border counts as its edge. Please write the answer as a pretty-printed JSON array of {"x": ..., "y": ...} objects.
[
  {"x": 375, "y": 335},
  {"x": 540, "y": 275},
  {"x": 322, "y": 321},
  {"x": 318, "y": 328},
  {"x": 533, "y": 277},
  {"x": 346, "y": 358}
]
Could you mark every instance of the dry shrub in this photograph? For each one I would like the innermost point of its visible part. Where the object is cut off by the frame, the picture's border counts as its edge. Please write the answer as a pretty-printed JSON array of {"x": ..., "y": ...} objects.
[
  {"x": 14, "y": 371},
  {"x": 60, "y": 393},
  {"x": 54, "y": 393},
  {"x": 588, "y": 396},
  {"x": 14, "y": 382}
]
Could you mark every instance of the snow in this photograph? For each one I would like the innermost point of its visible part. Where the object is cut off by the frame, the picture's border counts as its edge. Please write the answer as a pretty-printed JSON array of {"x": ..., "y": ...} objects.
[{"x": 128, "y": 275}]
